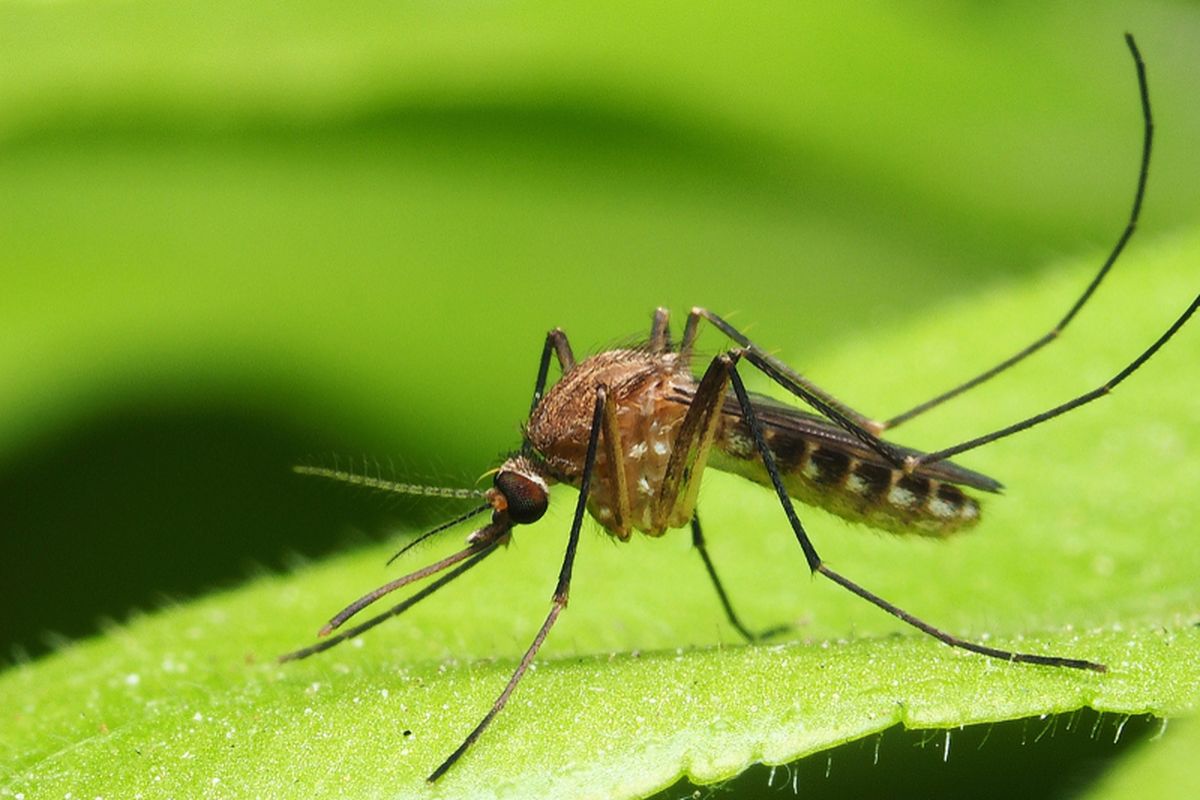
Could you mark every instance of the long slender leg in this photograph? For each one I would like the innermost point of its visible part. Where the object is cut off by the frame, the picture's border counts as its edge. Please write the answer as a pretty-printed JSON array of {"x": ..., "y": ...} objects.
[
  {"x": 676, "y": 498},
  {"x": 562, "y": 591},
  {"x": 850, "y": 420},
  {"x": 874, "y": 427},
  {"x": 783, "y": 375},
  {"x": 702, "y": 549},
  {"x": 816, "y": 565},
  {"x": 807, "y": 390},
  {"x": 1126, "y": 234},
  {"x": 779, "y": 373},
  {"x": 556, "y": 343},
  {"x": 1029, "y": 422},
  {"x": 615, "y": 457},
  {"x": 867, "y": 430},
  {"x": 660, "y": 332}
]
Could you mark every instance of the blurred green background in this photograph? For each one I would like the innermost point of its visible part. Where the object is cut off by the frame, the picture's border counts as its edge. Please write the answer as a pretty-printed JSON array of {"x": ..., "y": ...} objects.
[{"x": 237, "y": 237}]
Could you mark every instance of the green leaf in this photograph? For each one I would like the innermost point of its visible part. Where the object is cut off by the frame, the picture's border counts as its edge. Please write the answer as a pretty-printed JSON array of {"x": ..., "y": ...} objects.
[
  {"x": 1091, "y": 554},
  {"x": 362, "y": 218}
]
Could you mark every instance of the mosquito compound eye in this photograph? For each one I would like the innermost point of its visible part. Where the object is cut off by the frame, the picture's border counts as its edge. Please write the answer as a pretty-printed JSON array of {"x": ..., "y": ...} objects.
[{"x": 526, "y": 496}]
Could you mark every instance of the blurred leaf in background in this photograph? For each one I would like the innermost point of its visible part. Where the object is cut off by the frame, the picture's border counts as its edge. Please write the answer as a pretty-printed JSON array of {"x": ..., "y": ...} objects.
[{"x": 238, "y": 236}]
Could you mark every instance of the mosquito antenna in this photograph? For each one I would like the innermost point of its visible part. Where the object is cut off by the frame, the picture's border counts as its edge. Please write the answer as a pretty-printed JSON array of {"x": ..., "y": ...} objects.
[
  {"x": 444, "y": 526},
  {"x": 394, "y": 487},
  {"x": 485, "y": 538}
]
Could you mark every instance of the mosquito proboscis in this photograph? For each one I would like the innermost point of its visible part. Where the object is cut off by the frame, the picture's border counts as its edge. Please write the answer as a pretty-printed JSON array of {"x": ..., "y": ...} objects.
[{"x": 633, "y": 429}]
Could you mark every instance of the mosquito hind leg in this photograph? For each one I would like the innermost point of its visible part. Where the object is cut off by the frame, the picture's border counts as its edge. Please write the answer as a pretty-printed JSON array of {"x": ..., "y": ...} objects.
[
  {"x": 692, "y": 329},
  {"x": 747, "y": 634},
  {"x": 868, "y": 430},
  {"x": 783, "y": 375},
  {"x": 1070, "y": 405},
  {"x": 1118, "y": 247},
  {"x": 859, "y": 425},
  {"x": 815, "y": 564}
]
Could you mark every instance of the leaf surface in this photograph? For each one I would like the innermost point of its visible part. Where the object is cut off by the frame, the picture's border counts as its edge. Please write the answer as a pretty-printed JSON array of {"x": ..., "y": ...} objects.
[{"x": 1091, "y": 554}]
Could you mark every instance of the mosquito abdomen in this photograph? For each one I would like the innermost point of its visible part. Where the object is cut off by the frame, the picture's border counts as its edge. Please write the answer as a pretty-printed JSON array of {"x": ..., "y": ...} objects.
[{"x": 820, "y": 474}]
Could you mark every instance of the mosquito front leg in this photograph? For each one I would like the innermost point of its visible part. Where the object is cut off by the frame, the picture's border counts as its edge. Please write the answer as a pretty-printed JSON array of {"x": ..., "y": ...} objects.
[
  {"x": 562, "y": 590},
  {"x": 728, "y": 361}
]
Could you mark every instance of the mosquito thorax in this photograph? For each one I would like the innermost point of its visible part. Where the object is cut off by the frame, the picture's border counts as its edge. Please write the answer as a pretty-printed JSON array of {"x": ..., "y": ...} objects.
[{"x": 519, "y": 493}]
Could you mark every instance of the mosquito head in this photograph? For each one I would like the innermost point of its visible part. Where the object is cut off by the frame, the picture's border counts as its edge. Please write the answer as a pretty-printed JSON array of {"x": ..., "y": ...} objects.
[{"x": 519, "y": 494}]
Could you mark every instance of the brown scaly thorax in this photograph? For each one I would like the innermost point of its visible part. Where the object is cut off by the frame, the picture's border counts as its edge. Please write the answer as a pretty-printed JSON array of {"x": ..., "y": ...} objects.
[{"x": 644, "y": 389}]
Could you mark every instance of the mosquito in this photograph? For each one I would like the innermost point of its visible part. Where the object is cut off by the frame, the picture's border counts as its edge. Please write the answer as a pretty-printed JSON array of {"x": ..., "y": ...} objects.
[{"x": 633, "y": 429}]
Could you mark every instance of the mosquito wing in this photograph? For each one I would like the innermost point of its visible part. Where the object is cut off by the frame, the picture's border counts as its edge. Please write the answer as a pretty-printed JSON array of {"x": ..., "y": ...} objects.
[{"x": 780, "y": 420}]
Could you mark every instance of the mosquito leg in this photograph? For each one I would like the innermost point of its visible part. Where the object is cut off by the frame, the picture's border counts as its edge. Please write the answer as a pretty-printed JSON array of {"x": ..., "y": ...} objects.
[
  {"x": 782, "y": 375},
  {"x": 747, "y": 634},
  {"x": 691, "y": 329},
  {"x": 862, "y": 427},
  {"x": 660, "y": 332},
  {"x": 556, "y": 343},
  {"x": 858, "y": 425},
  {"x": 816, "y": 565},
  {"x": 779, "y": 372},
  {"x": 561, "y": 590},
  {"x": 620, "y": 522},
  {"x": 809, "y": 389},
  {"x": 1058, "y": 410},
  {"x": 867, "y": 430},
  {"x": 1126, "y": 234},
  {"x": 675, "y": 502}
]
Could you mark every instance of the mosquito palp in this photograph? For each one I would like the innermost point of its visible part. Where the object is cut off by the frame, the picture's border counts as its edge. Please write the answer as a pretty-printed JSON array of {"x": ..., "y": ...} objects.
[
  {"x": 395, "y": 610},
  {"x": 633, "y": 429},
  {"x": 445, "y": 526}
]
